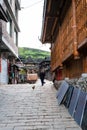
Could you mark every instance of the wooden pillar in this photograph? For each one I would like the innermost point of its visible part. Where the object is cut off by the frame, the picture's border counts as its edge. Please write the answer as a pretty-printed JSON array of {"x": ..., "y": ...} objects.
[{"x": 75, "y": 44}]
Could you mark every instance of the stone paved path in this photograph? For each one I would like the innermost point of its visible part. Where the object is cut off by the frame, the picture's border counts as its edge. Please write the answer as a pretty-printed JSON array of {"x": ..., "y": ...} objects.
[{"x": 22, "y": 108}]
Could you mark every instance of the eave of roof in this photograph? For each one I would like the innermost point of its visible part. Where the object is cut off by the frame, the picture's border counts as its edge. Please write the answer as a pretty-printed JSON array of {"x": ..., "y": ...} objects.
[{"x": 53, "y": 14}]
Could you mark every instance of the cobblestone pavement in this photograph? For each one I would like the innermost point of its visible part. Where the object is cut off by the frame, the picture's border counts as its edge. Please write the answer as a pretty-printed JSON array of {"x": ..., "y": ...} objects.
[{"x": 22, "y": 108}]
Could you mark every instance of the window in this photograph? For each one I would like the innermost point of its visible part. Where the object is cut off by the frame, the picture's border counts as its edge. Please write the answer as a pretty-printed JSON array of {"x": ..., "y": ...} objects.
[
  {"x": 15, "y": 37},
  {"x": 9, "y": 26}
]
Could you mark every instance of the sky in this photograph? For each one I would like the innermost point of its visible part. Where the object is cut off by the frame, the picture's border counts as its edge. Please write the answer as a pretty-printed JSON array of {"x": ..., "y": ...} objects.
[{"x": 30, "y": 23}]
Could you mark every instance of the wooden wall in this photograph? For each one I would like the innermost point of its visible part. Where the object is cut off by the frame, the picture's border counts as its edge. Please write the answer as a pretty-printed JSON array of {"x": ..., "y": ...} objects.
[
  {"x": 73, "y": 68},
  {"x": 81, "y": 20},
  {"x": 64, "y": 44}
]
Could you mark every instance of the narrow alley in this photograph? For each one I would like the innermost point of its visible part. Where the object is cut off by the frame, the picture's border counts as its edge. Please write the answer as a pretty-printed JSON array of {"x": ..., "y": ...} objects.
[{"x": 24, "y": 108}]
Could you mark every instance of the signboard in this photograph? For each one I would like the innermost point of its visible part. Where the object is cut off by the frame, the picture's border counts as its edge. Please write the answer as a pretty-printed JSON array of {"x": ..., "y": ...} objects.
[{"x": 68, "y": 96}]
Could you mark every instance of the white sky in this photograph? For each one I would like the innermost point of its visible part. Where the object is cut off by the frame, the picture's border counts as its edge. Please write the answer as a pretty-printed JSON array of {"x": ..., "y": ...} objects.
[{"x": 30, "y": 23}]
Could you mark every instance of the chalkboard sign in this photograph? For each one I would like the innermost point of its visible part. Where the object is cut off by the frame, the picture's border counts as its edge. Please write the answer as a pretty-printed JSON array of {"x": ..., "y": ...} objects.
[
  {"x": 68, "y": 96},
  {"x": 73, "y": 101},
  {"x": 80, "y": 107},
  {"x": 84, "y": 120},
  {"x": 62, "y": 91}
]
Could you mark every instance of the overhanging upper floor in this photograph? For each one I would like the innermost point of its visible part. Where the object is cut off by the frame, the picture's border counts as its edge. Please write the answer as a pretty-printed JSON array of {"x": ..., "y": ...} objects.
[{"x": 54, "y": 12}]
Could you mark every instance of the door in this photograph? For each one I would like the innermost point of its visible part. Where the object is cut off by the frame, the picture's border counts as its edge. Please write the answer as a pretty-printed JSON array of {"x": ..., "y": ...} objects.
[{"x": 4, "y": 71}]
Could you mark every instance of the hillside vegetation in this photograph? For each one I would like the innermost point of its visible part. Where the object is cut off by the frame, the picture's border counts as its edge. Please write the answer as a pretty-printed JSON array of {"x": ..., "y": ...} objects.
[{"x": 33, "y": 53}]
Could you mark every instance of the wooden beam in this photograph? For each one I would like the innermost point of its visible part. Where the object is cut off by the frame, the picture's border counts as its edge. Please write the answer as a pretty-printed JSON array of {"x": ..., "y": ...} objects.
[
  {"x": 82, "y": 43},
  {"x": 54, "y": 26},
  {"x": 49, "y": 6},
  {"x": 45, "y": 26},
  {"x": 75, "y": 44}
]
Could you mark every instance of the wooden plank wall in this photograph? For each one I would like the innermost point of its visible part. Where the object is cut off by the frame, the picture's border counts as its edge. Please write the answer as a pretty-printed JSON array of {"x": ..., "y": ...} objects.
[
  {"x": 64, "y": 44},
  {"x": 57, "y": 52},
  {"x": 67, "y": 35},
  {"x": 81, "y": 19}
]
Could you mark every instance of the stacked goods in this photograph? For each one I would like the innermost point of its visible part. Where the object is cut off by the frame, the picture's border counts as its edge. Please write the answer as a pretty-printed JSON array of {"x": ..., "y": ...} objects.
[{"x": 81, "y": 19}]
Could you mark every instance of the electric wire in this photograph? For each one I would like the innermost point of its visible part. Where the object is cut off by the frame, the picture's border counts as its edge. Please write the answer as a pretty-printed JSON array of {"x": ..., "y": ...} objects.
[{"x": 31, "y": 5}]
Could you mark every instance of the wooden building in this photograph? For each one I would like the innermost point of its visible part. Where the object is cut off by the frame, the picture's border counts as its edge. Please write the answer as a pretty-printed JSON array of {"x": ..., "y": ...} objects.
[{"x": 65, "y": 28}]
